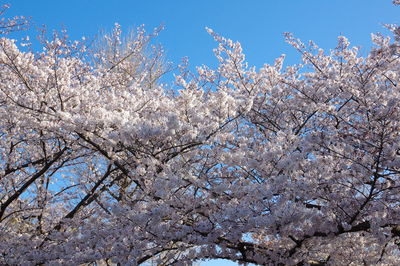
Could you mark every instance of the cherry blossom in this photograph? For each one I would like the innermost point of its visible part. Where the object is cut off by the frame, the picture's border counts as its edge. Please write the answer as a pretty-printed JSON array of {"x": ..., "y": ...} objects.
[{"x": 282, "y": 165}]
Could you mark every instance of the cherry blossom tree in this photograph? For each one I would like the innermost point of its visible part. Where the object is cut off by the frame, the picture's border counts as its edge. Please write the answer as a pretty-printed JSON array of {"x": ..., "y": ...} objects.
[{"x": 101, "y": 162}]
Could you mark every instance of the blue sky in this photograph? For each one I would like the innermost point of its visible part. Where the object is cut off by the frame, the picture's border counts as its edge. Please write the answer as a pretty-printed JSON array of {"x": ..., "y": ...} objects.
[{"x": 257, "y": 24}]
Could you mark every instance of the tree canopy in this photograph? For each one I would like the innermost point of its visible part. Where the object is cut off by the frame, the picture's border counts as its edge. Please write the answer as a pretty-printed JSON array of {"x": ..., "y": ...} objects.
[{"x": 101, "y": 162}]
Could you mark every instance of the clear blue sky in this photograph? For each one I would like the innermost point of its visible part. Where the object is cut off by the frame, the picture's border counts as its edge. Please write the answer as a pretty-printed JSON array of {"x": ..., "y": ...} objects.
[{"x": 257, "y": 24}]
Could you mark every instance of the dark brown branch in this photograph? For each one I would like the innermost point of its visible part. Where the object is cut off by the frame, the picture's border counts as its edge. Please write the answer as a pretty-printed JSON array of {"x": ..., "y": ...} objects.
[
  {"x": 90, "y": 196},
  {"x": 30, "y": 181}
]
